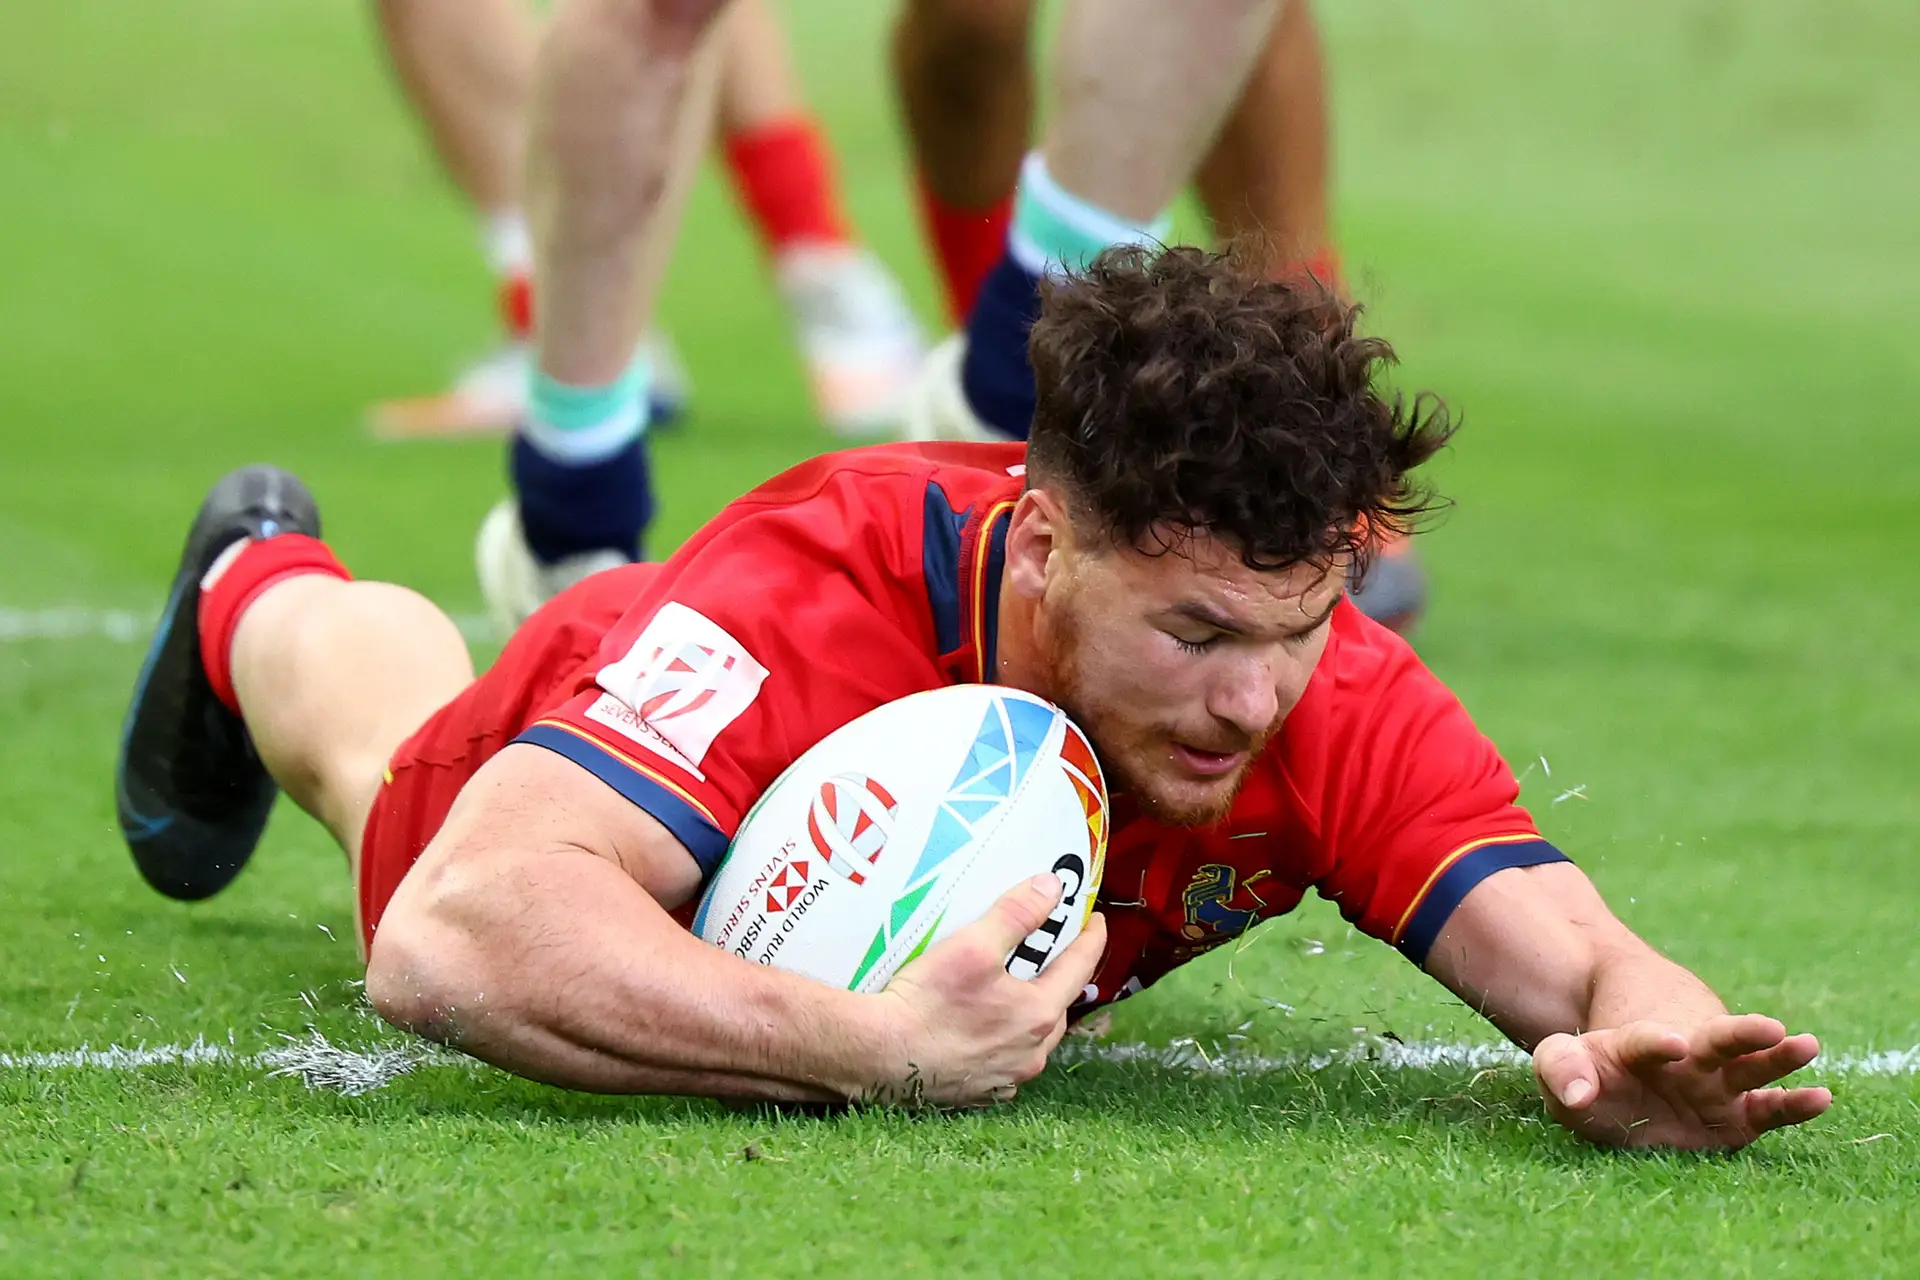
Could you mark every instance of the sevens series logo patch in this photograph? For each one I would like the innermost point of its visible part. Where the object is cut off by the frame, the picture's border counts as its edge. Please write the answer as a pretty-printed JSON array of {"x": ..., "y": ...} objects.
[{"x": 682, "y": 682}]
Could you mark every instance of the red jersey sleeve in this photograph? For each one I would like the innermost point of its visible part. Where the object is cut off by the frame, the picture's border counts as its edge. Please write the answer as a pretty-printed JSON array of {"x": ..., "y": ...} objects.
[
  {"x": 1416, "y": 805},
  {"x": 785, "y": 618}
]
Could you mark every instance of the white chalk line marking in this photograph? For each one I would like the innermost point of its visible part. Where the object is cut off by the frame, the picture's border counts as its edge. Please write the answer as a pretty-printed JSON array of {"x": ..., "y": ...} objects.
[
  {"x": 320, "y": 1064},
  {"x": 135, "y": 626},
  {"x": 315, "y": 1060}
]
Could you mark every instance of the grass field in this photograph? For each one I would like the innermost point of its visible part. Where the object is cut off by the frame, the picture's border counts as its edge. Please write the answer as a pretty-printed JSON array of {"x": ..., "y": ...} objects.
[{"x": 1663, "y": 256}]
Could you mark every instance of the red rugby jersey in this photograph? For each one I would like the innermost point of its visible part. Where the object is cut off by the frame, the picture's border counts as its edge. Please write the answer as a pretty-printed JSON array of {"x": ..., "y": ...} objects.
[{"x": 866, "y": 575}]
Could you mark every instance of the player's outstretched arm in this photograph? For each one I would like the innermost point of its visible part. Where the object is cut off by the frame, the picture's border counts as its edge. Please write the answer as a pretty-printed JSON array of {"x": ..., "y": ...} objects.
[
  {"x": 1629, "y": 1048},
  {"x": 532, "y": 935}
]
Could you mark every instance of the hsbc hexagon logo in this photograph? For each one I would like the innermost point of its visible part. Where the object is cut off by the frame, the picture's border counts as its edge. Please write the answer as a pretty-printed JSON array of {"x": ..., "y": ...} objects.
[
  {"x": 787, "y": 884},
  {"x": 683, "y": 681}
]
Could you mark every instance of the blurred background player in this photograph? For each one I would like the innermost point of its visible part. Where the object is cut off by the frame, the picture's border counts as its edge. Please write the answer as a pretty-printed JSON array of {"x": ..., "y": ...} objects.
[
  {"x": 964, "y": 77},
  {"x": 1143, "y": 102},
  {"x": 467, "y": 68}
]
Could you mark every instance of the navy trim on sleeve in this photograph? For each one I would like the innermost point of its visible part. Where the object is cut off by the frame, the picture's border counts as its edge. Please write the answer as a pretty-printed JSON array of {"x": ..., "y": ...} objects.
[
  {"x": 990, "y": 605},
  {"x": 1459, "y": 880},
  {"x": 940, "y": 565},
  {"x": 703, "y": 840}
]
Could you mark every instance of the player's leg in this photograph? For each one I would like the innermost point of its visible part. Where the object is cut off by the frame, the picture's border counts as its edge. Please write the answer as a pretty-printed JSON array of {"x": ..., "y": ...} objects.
[
  {"x": 1266, "y": 181},
  {"x": 856, "y": 333},
  {"x": 963, "y": 74},
  {"x": 270, "y": 668},
  {"x": 331, "y": 676},
  {"x": 622, "y": 111},
  {"x": 466, "y": 68},
  {"x": 1141, "y": 89}
]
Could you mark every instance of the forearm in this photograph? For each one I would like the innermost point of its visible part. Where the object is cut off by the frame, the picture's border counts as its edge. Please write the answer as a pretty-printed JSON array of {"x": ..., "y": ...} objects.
[
  {"x": 1537, "y": 952},
  {"x": 1632, "y": 982},
  {"x": 561, "y": 969}
]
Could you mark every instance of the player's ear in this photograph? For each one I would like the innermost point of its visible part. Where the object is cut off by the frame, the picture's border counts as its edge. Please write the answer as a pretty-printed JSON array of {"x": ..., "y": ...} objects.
[{"x": 1035, "y": 533}]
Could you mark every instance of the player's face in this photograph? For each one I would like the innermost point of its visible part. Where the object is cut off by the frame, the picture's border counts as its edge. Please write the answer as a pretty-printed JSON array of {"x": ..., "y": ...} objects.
[{"x": 1180, "y": 665}]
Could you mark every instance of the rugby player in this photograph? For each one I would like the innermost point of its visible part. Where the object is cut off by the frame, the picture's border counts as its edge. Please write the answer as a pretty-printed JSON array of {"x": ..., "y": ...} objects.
[
  {"x": 1210, "y": 462},
  {"x": 1145, "y": 96},
  {"x": 1000, "y": 211},
  {"x": 467, "y": 68}
]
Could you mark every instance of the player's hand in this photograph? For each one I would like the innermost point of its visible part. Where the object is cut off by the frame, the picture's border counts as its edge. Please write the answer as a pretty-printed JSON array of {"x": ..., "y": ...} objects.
[
  {"x": 969, "y": 1033},
  {"x": 1648, "y": 1084}
]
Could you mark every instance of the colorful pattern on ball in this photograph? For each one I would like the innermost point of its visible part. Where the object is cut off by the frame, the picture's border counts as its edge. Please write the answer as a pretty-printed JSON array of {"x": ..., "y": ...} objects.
[
  {"x": 1010, "y": 738},
  {"x": 1083, "y": 769}
]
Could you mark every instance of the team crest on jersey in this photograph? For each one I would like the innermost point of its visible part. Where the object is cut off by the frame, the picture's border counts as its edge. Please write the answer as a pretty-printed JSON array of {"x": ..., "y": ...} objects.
[
  {"x": 681, "y": 683},
  {"x": 1220, "y": 905}
]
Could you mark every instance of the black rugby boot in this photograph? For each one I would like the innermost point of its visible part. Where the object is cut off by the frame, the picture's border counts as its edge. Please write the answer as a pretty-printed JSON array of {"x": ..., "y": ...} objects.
[{"x": 192, "y": 794}]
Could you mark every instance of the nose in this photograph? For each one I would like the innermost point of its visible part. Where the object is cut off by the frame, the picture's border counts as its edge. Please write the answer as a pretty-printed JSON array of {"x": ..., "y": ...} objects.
[{"x": 1249, "y": 696}]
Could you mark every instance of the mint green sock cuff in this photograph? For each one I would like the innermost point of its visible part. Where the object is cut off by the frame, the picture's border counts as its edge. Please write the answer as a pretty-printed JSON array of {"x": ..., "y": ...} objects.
[
  {"x": 566, "y": 407},
  {"x": 1052, "y": 227}
]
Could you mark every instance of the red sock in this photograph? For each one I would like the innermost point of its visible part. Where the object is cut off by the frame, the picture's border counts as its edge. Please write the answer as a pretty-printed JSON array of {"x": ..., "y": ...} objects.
[
  {"x": 784, "y": 176},
  {"x": 1323, "y": 266},
  {"x": 236, "y": 580},
  {"x": 966, "y": 244},
  {"x": 516, "y": 306}
]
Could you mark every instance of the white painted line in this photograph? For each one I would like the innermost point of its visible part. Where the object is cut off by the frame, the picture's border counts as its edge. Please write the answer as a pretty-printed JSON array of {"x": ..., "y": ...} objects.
[
  {"x": 1394, "y": 1055},
  {"x": 134, "y": 626},
  {"x": 321, "y": 1064},
  {"x": 317, "y": 1061}
]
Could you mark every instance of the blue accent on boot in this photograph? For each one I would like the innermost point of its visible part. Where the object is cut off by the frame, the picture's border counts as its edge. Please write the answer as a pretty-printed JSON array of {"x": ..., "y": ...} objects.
[
  {"x": 568, "y": 510},
  {"x": 995, "y": 376}
]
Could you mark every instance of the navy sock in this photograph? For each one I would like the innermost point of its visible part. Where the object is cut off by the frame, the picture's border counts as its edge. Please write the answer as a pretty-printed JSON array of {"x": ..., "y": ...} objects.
[
  {"x": 567, "y": 509},
  {"x": 996, "y": 377}
]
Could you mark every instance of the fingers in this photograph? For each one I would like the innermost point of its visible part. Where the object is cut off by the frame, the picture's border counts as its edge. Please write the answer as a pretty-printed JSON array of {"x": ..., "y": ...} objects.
[
  {"x": 1718, "y": 1041},
  {"x": 1641, "y": 1046},
  {"x": 1068, "y": 975},
  {"x": 1019, "y": 911},
  {"x": 1755, "y": 1070},
  {"x": 1777, "y": 1108},
  {"x": 1567, "y": 1073}
]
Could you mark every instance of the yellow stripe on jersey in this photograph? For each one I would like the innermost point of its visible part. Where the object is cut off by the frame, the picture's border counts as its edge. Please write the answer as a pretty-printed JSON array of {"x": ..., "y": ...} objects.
[
  {"x": 637, "y": 766},
  {"x": 1447, "y": 864},
  {"x": 982, "y": 556}
]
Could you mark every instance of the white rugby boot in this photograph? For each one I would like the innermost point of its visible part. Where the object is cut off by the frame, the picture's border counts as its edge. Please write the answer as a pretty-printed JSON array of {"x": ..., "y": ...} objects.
[
  {"x": 937, "y": 407},
  {"x": 486, "y": 398},
  {"x": 860, "y": 342},
  {"x": 513, "y": 581},
  {"x": 489, "y": 396}
]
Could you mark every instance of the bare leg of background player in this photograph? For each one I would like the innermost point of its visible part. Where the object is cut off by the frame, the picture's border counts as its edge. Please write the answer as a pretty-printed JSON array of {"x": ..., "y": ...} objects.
[
  {"x": 1140, "y": 89},
  {"x": 1266, "y": 175},
  {"x": 622, "y": 109},
  {"x": 467, "y": 68},
  {"x": 858, "y": 338}
]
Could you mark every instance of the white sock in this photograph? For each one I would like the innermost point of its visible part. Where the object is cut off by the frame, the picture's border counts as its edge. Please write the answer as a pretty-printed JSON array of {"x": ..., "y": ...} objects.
[{"x": 507, "y": 243}]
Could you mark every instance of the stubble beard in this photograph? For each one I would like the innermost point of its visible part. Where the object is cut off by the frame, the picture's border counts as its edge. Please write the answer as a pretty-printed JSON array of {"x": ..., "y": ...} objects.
[{"x": 1060, "y": 654}]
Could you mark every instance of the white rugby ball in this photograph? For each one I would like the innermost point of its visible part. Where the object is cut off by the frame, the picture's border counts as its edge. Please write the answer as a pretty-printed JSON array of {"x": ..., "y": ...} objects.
[{"x": 895, "y": 830}]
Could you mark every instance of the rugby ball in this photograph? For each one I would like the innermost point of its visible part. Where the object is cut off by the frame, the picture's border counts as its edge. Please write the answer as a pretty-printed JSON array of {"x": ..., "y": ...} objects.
[{"x": 905, "y": 825}]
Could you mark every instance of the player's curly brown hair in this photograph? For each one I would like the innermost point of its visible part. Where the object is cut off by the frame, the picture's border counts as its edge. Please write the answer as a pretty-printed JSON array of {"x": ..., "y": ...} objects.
[{"x": 1182, "y": 391}]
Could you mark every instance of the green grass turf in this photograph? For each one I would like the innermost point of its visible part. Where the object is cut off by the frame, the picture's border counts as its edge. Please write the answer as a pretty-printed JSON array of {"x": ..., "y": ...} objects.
[{"x": 1661, "y": 254}]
